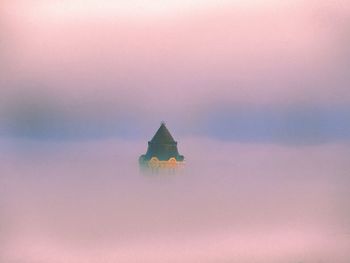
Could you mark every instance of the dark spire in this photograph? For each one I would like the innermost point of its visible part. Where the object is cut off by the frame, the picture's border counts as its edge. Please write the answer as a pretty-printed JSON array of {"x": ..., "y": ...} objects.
[
  {"x": 163, "y": 135},
  {"x": 163, "y": 146}
]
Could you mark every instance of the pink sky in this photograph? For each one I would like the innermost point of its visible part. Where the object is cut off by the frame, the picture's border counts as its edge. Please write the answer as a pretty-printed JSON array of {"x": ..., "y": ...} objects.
[
  {"x": 102, "y": 62},
  {"x": 73, "y": 66},
  {"x": 101, "y": 54}
]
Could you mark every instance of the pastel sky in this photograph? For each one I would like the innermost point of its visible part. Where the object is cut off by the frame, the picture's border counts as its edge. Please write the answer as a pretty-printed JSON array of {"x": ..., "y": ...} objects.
[
  {"x": 256, "y": 93},
  {"x": 274, "y": 71}
]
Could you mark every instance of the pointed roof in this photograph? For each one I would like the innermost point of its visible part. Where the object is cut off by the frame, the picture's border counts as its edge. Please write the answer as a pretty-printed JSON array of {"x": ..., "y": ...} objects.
[
  {"x": 163, "y": 146},
  {"x": 163, "y": 135}
]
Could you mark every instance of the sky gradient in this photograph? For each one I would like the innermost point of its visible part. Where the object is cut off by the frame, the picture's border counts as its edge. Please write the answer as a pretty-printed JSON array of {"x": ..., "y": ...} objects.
[
  {"x": 256, "y": 93},
  {"x": 107, "y": 69}
]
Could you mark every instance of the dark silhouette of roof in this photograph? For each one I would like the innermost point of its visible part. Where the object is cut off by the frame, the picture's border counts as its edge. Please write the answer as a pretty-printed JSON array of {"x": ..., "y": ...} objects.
[
  {"x": 163, "y": 146},
  {"x": 163, "y": 135}
]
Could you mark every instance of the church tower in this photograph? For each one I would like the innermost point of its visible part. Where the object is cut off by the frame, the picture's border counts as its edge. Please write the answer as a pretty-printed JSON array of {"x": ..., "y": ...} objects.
[{"x": 162, "y": 151}]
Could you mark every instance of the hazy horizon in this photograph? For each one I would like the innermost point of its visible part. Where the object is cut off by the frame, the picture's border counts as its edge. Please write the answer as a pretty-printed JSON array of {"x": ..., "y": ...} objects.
[{"x": 255, "y": 92}]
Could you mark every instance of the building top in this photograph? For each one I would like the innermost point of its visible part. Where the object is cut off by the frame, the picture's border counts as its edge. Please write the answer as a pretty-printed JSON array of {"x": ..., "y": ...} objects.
[
  {"x": 162, "y": 146},
  {"x": 163, "y": 136}
]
